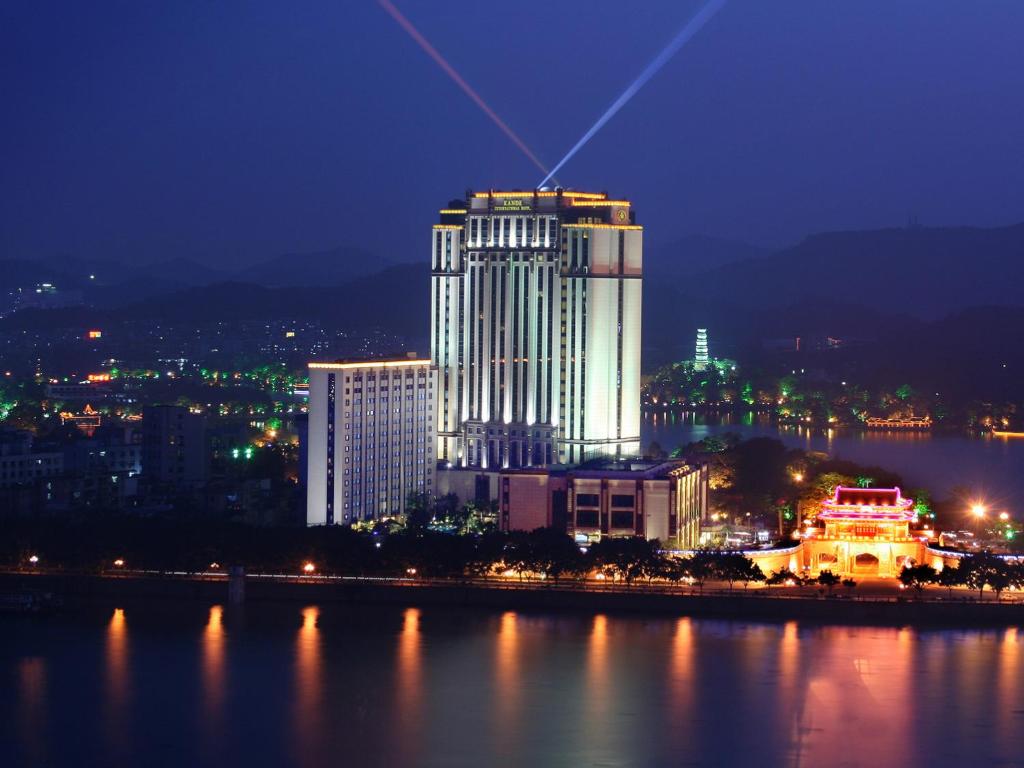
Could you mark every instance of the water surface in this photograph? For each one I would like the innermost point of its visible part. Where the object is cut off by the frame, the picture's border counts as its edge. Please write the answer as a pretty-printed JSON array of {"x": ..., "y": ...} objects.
[
  {"x": 201, "y": 685},
  {"x": 988, "y": 468}
]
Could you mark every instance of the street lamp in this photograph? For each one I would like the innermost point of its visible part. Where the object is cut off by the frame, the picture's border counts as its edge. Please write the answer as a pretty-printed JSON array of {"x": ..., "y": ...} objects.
[
  {"x": 978, "y": 510},
  {"x": 798, "y": 477},
  {"x": 308, "y": 568},
  {"x": 1004, "y": 516},
  {"x": 119, "y": 563},
  {"x": 34, "y": 559}
]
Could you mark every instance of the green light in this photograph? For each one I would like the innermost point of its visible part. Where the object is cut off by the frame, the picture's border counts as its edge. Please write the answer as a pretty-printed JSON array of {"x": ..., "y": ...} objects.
[
  {"x": 234, "y": 453},
  {"x": 248, "y": 453}
]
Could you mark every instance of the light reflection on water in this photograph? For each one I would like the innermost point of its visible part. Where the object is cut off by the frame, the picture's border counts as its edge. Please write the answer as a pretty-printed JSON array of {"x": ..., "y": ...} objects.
[
  {"x": 116, "y": 695},
  {"x": 501, "y": 689},
  {"x": 213, "y": 678},
  {"x": 309, "y": 682}
]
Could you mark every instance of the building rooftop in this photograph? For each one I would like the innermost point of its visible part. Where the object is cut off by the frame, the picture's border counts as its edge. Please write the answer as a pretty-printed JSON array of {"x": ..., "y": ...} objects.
[
  {"x": 632, "y": 468},
  {"x": 395, "y": 361},
  {"x": 868, "y": 504}
]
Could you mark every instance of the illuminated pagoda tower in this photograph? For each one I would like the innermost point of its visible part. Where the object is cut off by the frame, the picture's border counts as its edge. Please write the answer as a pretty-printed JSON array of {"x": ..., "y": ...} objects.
[
  {"x": 700, "y": 359},
  {"x": 535, "y": 328},
  {"x": 867, "y": 533}
]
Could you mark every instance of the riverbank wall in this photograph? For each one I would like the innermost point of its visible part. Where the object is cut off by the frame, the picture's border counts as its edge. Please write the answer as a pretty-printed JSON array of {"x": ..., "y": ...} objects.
[{"x": 755, "y": 605}]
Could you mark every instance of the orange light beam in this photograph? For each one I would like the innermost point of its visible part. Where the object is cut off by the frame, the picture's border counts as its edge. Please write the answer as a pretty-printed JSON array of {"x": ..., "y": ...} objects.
[{"x": 466, "y": 87}]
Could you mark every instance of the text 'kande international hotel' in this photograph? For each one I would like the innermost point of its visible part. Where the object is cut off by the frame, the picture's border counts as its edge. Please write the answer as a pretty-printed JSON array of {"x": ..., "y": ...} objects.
[{"x": 535, "y": 328}]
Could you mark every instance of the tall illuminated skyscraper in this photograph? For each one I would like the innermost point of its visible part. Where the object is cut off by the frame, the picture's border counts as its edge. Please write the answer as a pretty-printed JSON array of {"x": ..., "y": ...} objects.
[{"x": 535, "y": 328}]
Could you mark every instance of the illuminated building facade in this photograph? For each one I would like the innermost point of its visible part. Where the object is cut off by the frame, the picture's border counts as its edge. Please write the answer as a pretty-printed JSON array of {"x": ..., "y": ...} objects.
[
  {"x": 866, "y": 533},
  {"x": 655, "y": 500},
  {"x": 370, "y": 438},
  {"x": 535, "y": 328}
]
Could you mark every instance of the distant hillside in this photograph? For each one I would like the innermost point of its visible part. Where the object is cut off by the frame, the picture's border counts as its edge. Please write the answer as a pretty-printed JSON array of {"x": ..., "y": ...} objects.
[
  {"x": 697, "y": 253},
  {"x": 24, "y": 273},
  {"x": 333, "y": 267},
  {"x": 928, "y": 272},
  {"x": 395, "y": 300}
]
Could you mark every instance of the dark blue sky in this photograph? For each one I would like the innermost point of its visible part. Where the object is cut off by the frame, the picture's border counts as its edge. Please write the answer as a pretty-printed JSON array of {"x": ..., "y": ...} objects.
[{"x": 232, "y": 131}]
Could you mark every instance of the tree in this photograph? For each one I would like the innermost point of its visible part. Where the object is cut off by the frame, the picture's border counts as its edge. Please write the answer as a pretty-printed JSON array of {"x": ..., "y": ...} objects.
[
  {"x": 700, "y": 567},
  {"x": 828, "y": 580},
  {"x": 949, "y": 578},
  {"x": 782, "y": 576},
  {"x": 985, "y": 569},
  {"x": 419, "y": 510},
  {"x": 673, "y": 569},
  {"x": 918, "y": 576},
  {"x": 655, "y": 451},
  {"x": 751, "y": 572},
  {"x": 850, "y": 584}
]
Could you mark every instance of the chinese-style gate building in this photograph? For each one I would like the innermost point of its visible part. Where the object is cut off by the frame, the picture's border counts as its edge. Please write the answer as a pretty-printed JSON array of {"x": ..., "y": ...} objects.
[{"x": 866, "y": 533}]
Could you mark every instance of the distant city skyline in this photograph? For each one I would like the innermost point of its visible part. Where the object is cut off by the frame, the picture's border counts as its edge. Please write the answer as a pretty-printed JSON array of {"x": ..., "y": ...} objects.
[{"x": 235, "y": 134}]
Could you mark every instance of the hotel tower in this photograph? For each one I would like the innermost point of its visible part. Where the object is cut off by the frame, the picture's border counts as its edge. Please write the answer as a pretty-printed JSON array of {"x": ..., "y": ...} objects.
[{"x": 535, "y": 328}]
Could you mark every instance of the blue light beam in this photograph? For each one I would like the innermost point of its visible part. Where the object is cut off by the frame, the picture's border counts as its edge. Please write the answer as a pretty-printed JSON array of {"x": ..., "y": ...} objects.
[{"x": 685, "y": 35}]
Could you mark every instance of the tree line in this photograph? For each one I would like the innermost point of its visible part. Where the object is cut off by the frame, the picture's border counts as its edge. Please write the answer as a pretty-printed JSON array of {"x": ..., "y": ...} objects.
[{"x": 976, "y": 570}]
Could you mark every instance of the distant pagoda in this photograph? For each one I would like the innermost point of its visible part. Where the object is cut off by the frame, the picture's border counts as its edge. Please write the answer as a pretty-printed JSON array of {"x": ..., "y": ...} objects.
[{"x": 701, "y": 359}]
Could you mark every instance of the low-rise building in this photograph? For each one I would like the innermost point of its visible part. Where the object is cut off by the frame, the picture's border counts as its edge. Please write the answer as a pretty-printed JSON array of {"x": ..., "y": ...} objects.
[
  {"x": 21, "y": 464},
  {"x": 173, "y": 446},
  {"x": 656, "y": 500}
]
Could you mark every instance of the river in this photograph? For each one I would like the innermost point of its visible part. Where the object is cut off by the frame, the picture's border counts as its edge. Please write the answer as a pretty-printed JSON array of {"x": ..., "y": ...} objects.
[
  {"x": 202, "y": 685},
  {"x": 990, "y": 468}
]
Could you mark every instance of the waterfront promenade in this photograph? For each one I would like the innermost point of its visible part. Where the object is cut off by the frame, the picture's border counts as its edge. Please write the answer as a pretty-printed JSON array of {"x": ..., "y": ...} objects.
[{"x": 878, "y": 601}]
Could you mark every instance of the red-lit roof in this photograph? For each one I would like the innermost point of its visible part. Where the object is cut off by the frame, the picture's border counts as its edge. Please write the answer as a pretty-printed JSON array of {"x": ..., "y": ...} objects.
[{"x": 882, "y": 504}]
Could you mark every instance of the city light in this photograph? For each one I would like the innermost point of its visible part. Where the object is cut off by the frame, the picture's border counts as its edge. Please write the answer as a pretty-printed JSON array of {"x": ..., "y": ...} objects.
[
  {"x": 1004, "y": 516},
  {"x": 978, "y": 510},
  {"x": 119, "y": 563},
  {"x": 308, "y": 568},
  {"x": 798, "y": 477},
  {"x": 34, "y": 559}
]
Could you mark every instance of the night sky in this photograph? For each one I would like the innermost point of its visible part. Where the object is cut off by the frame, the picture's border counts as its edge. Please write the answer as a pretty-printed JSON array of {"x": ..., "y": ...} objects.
[{"x": 232, "y": 131}]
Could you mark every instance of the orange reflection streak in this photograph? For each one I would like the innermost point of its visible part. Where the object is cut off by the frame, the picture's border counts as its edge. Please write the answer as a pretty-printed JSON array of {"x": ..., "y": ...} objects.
[
  {"x": 507, "y": 682},
  {"x": 789, "y": 663},
  {"x": 213, "y": 669},
  {"x": 861, "y": 679},
  {"x": 598, "y": 704},
  {"x": 308, "y": 684},
  {"x": 409, "y": 685},
  {"x": 32, "y": 708},
  {"x": 117, "y": 679},
  {"x": 681, "y": 672},
  {"x": 1008, "y": 686}
]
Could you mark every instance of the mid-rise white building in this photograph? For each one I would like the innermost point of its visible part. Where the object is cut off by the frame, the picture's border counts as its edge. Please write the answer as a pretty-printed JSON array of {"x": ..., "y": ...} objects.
[
  {"x": 371, "y": 438},
  {"x": 535, "y": 328}
]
